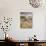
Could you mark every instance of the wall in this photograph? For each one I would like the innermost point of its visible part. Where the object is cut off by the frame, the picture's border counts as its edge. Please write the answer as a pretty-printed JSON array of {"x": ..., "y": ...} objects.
[{"x": 12, "y": 8}]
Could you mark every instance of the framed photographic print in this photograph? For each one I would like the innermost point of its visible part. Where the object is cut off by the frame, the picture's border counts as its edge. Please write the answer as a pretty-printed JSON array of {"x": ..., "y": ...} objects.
[{"x": 25, "y": 20}]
